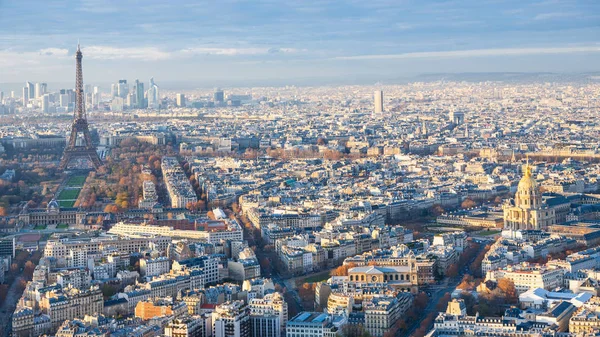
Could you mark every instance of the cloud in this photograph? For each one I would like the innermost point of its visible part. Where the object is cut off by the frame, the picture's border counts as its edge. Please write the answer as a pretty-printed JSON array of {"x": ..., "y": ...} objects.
[
  {"x": 224, "y": 51},
  {"x": 132, "y": 53},
  {"x": 54, "y": 51},
  {"x": 554, "y": 16},
  {"x": 156, "y": 54},
  {"x": 476, "y": 53}
]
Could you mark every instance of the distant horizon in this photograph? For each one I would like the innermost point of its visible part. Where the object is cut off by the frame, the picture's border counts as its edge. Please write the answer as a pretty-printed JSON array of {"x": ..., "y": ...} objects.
[{"x": 472, "y": 77}]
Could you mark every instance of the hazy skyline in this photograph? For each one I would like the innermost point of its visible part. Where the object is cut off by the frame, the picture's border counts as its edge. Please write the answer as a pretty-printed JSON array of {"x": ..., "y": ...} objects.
[{"x": 239, "y": 41}]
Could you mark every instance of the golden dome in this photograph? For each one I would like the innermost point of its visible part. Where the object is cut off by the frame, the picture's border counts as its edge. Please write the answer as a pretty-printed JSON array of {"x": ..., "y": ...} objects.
[{"x": 527, "y": 182}]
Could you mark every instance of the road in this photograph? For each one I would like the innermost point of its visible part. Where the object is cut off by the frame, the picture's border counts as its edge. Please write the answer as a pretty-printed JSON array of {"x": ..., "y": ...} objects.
[
  {"x": 448, "y": 286},
  {"x": 8, "y": 306}
]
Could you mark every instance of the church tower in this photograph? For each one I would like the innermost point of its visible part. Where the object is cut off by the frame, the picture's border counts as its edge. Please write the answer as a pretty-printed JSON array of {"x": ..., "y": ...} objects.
[{"x": 527, "y": 210}]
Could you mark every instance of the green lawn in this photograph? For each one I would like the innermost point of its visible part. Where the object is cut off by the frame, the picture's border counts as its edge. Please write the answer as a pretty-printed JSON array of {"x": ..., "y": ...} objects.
[
  {"x": 70, "y": 194},
  {"x": 62, "y": 225},
  {"x": 317, "y": 278},
  {"x": 76, "y": 181},
  {"x": 486, "y": 233},
  {"x": 66, "y": 203},
  {"x": 40, "y": 227}
]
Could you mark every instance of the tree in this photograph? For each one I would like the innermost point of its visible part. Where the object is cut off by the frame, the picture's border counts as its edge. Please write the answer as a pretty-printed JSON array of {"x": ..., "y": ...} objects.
[
  {"x": 468, "y": 203},
  {"x": 420, "y": 302},
  {"x": 437, "y": 210},
  {"x": 354, "y": 330},
  {"x": 507, "y": 286},
  {"x": 28, "y": 271},
  {"x": 467, "y": 283},
  {"x": 3, "y": 211},
  {"x": 469, "y": 302},
  {"x": 452, "y": 270},
  {"x": 342, "y": 270},
  {"x": 443, "y": 302}
]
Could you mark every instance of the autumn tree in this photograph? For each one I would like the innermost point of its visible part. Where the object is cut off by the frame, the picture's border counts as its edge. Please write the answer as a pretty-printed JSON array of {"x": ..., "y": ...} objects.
[
  {"x": 468, "y": 203},
  {"x": 354, "y": 330},
  {"x": 507, "y": 286},
  {"x": 443, "y": 302},
  {"x": 420, "y": 302},
  {"x": 28, "y": 270},
  {"x": 467, "y": 283},
  {"x": 452, "y": 270},
  {"x": 342, "y": 270},
  {"x": 437, "y": 210}
]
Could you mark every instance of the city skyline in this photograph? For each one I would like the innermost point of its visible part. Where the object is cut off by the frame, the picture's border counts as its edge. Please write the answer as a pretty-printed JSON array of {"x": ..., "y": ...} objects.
[{"x": 271, "y": 41}]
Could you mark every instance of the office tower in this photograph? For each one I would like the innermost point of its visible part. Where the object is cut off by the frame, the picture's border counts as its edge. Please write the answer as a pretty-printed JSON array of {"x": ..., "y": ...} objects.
[
  {"x": 96, "y": 96},
  {"x": 87, "y": 88},
  {"x": 122, "y": 89},
  {"x": 30, "y": 90},
  {"x": 63, "y": 100},
  {"x": 153, "y": 95},
  {"x": 12, "y": 94},
  {"x": 378, "y": 101},
  {"x": 139, "y": 94},
  {"x": 130, "y": 101},
  {"x": 40, "y": 89},
  {"x": 1, "y": 96},
  {"x": 45, "y": 103},
  {"x": 219, "y": 96},
  {"x": 25, "y": 96},
  {"x": 114, "y": 91},
  {"x": 180, "y": 100}
]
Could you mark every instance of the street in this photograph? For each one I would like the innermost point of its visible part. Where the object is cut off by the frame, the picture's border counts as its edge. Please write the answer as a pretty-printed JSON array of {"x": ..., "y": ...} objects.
[{"x": 8, "y": 307}]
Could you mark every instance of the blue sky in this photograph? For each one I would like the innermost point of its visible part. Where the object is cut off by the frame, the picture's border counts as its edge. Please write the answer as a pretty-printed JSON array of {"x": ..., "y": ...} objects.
[{"x": 238, "y": 40}]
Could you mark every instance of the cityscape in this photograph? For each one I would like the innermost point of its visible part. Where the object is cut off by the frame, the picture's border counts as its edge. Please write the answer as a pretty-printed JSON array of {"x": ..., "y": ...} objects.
[{"x": 443, "y": 204}]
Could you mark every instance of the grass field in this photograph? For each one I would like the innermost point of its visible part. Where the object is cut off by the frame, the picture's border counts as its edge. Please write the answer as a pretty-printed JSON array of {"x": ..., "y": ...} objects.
[
  {"x": 40, "y": 227},
  {"x": 486, "y": 233},
  {"x": 70, "y": 194},
  {"x": 62, "y": 225},
  {"x": 75, "y": 181},
  {"x": 66, "y": 203},
  {"x": 316, "y": 278}
]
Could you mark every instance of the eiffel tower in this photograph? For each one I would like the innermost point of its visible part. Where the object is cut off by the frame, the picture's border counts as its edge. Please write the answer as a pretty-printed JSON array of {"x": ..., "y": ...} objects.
[{"x": 80, "y": 126}]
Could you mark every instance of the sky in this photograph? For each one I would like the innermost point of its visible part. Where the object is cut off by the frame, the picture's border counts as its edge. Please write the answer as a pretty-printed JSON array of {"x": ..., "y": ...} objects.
[{"x": 240, "y": 41}]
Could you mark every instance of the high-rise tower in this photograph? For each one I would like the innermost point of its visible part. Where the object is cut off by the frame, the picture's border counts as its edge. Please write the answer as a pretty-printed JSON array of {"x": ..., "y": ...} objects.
[
  {"x": 378, "y": 96},
  {"x": 80, "y": 125}
]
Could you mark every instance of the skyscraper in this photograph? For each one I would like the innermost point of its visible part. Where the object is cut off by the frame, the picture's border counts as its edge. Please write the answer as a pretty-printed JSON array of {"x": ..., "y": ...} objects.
[
  {"x": 180, "y": 100},
  {"x": 122, "y": 89},
  {"x": 153, "y": 95},
  {"x": 114, "y": 90},
  {"x": 139, "y": 93},
  {"x": 30, "y": 90},
  {"x": 40, "y": 89},
  {"x": 96, "y": 97},
  {"x": 45, "y": 103},
  {"x": 378, "y": 101},
  {"x": 219, "y": 96},
  {"x": 25, "y": 96}
]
